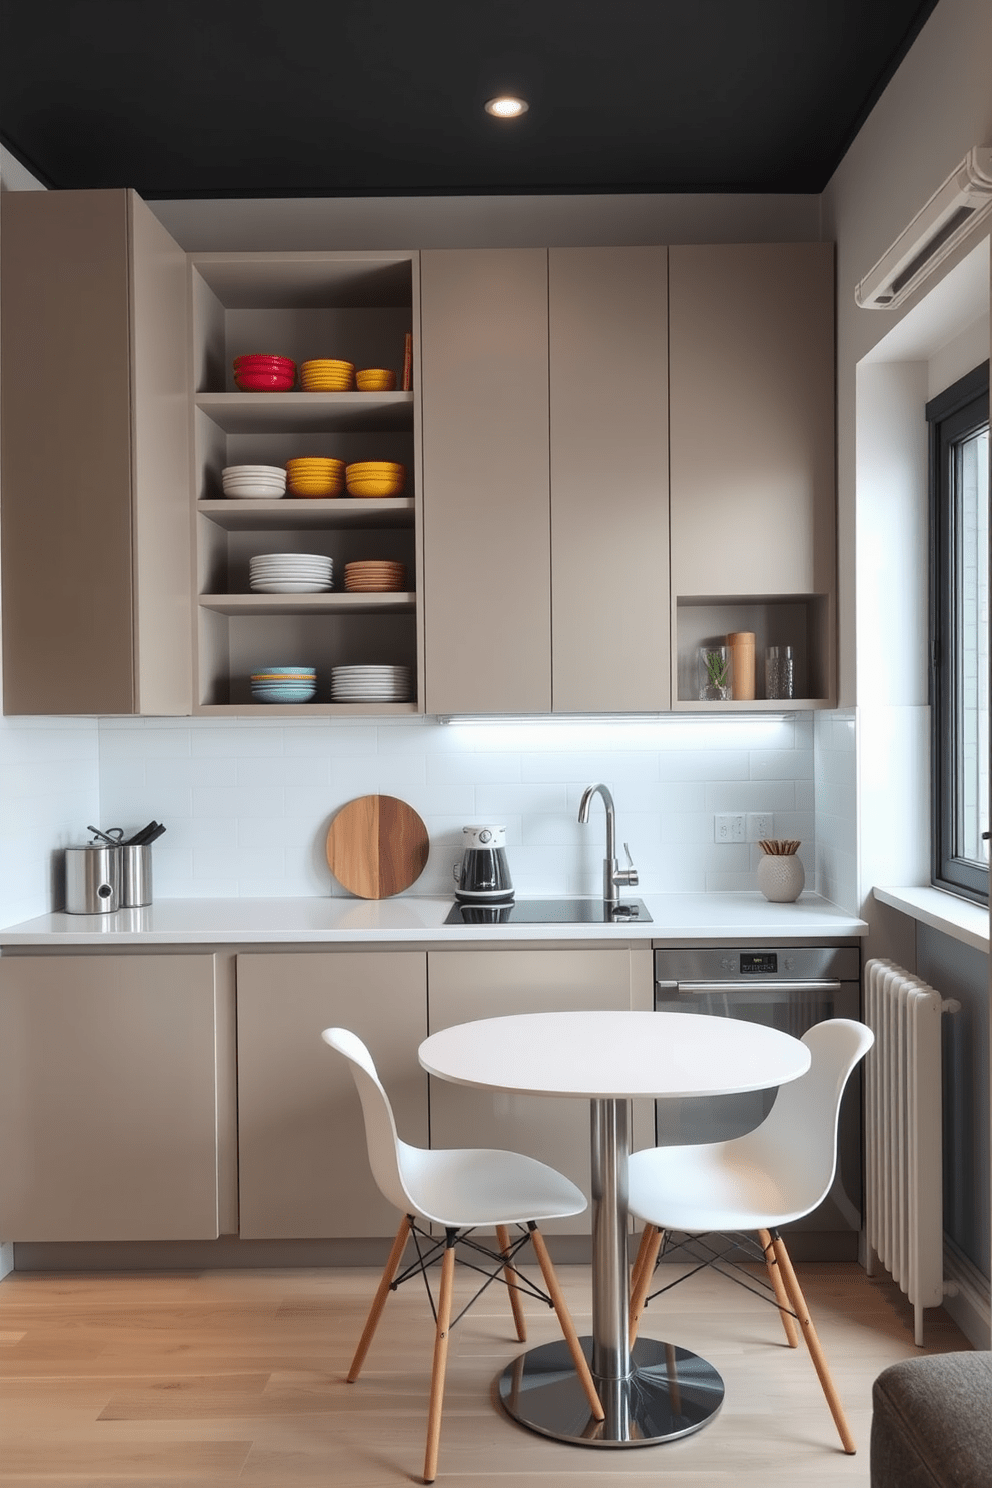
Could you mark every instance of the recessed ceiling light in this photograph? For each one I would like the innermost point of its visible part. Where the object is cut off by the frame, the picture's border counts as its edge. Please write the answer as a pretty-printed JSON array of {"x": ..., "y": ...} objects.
[{"x": 506, "y": 107}]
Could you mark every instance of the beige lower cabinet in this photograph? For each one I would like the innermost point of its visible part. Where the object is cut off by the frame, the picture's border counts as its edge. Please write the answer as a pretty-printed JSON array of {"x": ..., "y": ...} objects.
[
  {"x": 303, "y": 1161},
  {"x": 108, "y": 1107},
  {"x": 465, "y": 985}
]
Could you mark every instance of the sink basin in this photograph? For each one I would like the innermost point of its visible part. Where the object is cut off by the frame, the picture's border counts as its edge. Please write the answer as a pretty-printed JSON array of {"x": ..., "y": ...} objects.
[{"x": 550, "y": 912}]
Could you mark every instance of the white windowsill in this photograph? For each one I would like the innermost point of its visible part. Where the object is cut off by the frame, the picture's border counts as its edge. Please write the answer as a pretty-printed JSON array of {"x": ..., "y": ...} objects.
[{"x": 956, "y": 917}]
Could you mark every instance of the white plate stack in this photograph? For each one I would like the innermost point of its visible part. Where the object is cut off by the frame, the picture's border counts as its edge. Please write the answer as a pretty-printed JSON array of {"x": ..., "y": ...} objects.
[
  {"x": 253, "y": 482},
  {"x": 290, "y": 573},
  {"x": 371, "y": 684}
]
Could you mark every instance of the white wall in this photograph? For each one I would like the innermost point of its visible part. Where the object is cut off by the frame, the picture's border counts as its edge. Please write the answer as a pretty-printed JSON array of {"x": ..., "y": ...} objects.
[
  {"x": 935, "y": 109},
  {"x": 247, "y": 804}
]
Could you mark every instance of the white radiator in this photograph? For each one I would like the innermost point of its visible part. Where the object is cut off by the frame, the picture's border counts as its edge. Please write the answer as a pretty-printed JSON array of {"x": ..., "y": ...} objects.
[{"x": 904, "y": 1189}]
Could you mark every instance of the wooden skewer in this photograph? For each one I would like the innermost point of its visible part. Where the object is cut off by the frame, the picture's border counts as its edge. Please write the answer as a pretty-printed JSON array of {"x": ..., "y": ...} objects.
[{"x": 780, "y": 847}]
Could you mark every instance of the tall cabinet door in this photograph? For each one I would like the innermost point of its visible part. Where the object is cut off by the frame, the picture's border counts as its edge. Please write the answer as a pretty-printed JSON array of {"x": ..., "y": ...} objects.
[
  {"x": 487, "y": 546},
  {"x": 610, "y": 623},
  {"x": 96, "y": 500},
  {"x": 108, "y": 1098},
  {"x": 303, "y": 1159},
  {"x": 752, "y": 419}
]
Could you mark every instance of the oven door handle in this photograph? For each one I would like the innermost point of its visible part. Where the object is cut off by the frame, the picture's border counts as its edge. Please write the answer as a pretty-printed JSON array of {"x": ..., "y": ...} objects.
[{"x": 745, "y": 985}]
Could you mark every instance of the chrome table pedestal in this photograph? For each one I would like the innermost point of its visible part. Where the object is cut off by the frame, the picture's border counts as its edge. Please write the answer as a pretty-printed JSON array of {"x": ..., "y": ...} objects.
[{"x": 652, "y": 1393}]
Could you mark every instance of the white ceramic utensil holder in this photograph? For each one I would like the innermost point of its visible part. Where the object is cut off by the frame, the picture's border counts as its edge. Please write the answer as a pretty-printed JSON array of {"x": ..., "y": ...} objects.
[{"x": 781, "y": 877}]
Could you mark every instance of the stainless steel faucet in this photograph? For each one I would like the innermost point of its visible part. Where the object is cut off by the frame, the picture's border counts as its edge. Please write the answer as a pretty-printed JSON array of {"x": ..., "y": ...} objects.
[{"x": 613, "y": 877}]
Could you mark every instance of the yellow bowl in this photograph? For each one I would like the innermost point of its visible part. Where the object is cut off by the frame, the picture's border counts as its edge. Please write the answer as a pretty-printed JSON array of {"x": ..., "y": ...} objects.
[
  {"x": 375, "y": 486},
  {"x": 314, "y": 487},
  {"x": 327, "y": 364},
  {"x": 376, "y": 467},
  {"x": 315, "y": 466},
  {"x": 375, "y": 380}
]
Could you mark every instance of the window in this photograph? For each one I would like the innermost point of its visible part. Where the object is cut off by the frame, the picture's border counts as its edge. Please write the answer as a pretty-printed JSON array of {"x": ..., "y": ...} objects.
[{"x": 959, "y": 485}]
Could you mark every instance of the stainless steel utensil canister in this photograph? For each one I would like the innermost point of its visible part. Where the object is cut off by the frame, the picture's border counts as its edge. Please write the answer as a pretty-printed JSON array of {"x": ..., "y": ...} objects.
[
  {"x": 136, "y": 875},
  {"x": 92, "y": 879}
]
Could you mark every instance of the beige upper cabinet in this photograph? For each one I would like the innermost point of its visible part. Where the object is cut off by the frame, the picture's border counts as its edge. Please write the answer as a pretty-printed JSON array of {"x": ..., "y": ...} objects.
[
  {"x": 753, "y": 498},
  {"x": 545, "y": 437},
  {"x": 487, "y": 544},
  {"x": 95, "y": 475},
  {"x": 609, "y": 479},
  {"x": 108, "y": 1098},
  {"x": 752, "y": 418}
]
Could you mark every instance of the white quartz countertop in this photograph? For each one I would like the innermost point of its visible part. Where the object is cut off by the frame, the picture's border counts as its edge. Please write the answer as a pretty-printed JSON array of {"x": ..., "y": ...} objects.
[{"x": 410, "y": 919}]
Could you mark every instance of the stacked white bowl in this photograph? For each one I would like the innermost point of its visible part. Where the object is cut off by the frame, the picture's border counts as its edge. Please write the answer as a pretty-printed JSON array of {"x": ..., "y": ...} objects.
[
  {"x": 253, "y": 482},
  {"x": 371, "y": 684},
  {"x": 290, "y": 573}
]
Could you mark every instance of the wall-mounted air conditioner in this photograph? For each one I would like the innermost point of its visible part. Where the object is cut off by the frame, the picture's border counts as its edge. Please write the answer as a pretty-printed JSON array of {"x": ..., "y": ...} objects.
[{"x": 952, "y": 212}]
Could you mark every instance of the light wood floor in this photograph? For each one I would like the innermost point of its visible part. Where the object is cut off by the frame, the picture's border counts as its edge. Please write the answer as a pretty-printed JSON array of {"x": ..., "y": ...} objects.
[{"x": 219, "y": 1378}]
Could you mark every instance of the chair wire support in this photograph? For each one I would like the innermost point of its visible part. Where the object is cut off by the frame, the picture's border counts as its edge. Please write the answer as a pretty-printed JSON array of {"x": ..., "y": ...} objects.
[
  {"x": 430, "y": 1249},
  {"x": 719, "y": 1261}
]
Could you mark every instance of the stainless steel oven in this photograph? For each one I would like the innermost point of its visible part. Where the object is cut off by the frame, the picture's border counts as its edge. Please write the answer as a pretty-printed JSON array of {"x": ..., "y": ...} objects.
[{"x": 784, "y": 987}]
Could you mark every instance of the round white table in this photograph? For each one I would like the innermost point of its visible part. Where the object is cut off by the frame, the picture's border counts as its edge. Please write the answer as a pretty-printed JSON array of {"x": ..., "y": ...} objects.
[{"x": 655, "y": 1391}]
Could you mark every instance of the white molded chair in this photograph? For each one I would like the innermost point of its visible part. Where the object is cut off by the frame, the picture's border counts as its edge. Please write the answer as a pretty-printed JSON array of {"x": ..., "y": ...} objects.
[
  {"x": 779, "y": 1172},
  {"x": 459, "y": 1190}
]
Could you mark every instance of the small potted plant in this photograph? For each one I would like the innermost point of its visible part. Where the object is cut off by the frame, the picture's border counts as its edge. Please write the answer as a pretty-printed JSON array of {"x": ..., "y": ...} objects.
[{"x": 715, "y": 683}]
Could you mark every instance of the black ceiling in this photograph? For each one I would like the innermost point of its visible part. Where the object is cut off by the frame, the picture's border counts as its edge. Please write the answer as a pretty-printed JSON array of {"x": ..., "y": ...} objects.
[{"x": 210, "y": 98}]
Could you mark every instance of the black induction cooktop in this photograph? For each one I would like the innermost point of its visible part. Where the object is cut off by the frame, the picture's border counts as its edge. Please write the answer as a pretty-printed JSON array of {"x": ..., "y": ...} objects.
[{"x": 549, "y": 912}]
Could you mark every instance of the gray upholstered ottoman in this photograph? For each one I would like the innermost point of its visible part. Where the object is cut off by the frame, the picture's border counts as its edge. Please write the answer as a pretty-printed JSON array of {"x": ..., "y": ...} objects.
[{"x": 932, "y": 1423}]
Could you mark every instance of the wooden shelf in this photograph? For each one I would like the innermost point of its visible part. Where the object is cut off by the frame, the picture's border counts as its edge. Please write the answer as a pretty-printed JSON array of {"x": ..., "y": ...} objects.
[
  {"x": 309, "y": 604},
  {"x": 275, "y": 413}
]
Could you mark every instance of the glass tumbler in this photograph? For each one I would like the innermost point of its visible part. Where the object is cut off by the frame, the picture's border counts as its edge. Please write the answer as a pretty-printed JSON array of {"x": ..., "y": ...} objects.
[
  {"x": 715, "y": 674},
  {"x": 779, "y": 672}
]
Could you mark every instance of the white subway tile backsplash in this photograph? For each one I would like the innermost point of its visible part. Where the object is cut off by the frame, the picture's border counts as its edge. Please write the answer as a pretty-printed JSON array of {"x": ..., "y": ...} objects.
[
  {"x": 266, "y": 772},
  {"x": 247, "y": 803},
  {"x": 585, "y": 768},
  {"x": 462, "y": 769},
  {"x": 781, "y": 764},
  {"x": 49, "y": 793}
]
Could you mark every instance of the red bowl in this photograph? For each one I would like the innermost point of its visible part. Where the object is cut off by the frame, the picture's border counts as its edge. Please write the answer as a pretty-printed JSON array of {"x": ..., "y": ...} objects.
[
  {"x": 257, "y": 360},
  {"x": 264, "y": 382}
]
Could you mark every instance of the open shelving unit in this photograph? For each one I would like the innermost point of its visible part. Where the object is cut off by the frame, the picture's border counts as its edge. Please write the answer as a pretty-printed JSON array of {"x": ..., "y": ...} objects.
[
  {"x": 800, "y": 621},
  {"x": 355, "y": 306}
]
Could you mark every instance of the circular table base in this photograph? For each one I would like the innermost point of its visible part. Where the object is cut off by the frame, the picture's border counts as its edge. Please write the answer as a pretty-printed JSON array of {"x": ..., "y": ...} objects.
[{"x": 670, "y": 1393}]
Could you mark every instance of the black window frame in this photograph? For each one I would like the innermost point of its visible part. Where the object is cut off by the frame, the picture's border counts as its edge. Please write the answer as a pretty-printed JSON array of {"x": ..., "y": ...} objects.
[{"x": 953, "y": 416}]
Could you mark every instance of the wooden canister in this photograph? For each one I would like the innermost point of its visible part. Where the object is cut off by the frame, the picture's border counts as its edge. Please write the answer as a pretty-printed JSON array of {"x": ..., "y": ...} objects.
[{"x": 741, "y": 643}]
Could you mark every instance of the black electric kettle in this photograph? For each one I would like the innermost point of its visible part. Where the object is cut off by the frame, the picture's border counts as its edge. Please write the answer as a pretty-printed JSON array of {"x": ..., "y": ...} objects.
[{"x": 483, "y": 875}]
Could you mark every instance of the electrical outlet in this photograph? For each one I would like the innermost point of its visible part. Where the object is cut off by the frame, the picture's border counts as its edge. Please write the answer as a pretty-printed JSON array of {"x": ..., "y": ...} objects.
[
  {"x": 729, "y": 827},
  {"x": 759, "y": 824}
]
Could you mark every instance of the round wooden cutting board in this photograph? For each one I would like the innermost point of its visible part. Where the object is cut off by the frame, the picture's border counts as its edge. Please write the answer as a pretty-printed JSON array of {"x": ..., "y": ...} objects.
[{"x": 377, "y": 846}]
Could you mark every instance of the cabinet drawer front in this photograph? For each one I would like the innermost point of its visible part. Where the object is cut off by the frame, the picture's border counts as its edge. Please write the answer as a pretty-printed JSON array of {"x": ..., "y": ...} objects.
[
  {"x": 303, "y": 1160},
  {"x": 108, "y": 1106}
]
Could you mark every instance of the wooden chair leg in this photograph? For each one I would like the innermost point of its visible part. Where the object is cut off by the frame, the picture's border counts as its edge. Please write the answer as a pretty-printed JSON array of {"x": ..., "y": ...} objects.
[
  {"x": 379, "y": 1300},
  {"x": 440, "y": 1359},
  {"x": 781, "y": 1296},
  {"x": 647, "y": 1255},
  {"x": 503, "y": 1240},
  {"x": 635, "y": 1270},
  {"x": 813, "y": 1343},
  {"x": 565, "y": 1320}
]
